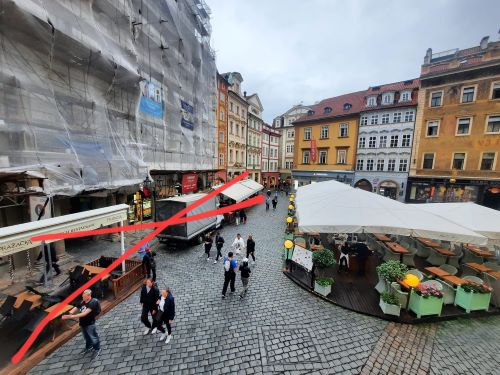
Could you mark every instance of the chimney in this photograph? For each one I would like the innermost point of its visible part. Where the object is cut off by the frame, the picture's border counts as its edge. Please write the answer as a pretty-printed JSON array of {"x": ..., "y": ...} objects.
[
  {"x": 484, "y": 42},
  {"x": 428, "y": 56}
]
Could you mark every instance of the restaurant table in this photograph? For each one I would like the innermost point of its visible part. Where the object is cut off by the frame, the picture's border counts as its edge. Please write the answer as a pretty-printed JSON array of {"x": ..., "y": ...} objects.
[
  {"x": 397, "y": 248},
  {"x": 58, "y": 322},
  {"x": 476, "y": 250},
  {"x": 478, "y": 267},
  {"x": 382, "y": 237},
  {"x": 94, "y": 270},
  {"x": 455, "y": 280},
  {"x": 437, "y": 271},
  {"x": 36, "y": 299},
  {"x": 444, "y": 251},
  {"x": 428, "y": 242},
  {"x": 298, "y": 233}
]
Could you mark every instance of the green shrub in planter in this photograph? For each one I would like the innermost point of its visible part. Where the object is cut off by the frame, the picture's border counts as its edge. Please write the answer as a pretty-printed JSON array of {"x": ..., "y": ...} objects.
[
  {"x": 473, "y": 297},
  {"x": 323, "y": 285},
  {"x": 323, "y": 258},
  {"x": 389, "y": 298},
  {"x": 389, "y": 304},
  {"x": 324, "y": 281},
  {"x": 392, "y": 270}
]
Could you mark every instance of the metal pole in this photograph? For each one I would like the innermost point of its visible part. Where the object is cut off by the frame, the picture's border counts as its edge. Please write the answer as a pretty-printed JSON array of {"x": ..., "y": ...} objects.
[
  {"x": 122, "y": 240},
  {"x": 11, "y": 269},
  {"x": 42, "y": 249},
  {"x": 47, "y": 246},
  {"x": 28, "y": 257}
]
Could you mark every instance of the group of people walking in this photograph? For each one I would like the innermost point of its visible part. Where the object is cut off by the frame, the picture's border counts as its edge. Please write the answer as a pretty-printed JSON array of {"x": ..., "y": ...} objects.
[{"x": 273, "y": 200}]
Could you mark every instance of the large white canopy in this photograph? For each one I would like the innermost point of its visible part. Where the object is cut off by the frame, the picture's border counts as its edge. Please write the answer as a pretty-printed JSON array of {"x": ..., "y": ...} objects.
[
  {"x": 334, "y": 207},
  {"x": 480, "y": 219},
  {"x": 242, "y": 190}
]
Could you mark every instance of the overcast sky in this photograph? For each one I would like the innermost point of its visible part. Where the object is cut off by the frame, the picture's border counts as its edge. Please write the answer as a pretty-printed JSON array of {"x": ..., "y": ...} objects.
[{"x": 292, "y": 51}]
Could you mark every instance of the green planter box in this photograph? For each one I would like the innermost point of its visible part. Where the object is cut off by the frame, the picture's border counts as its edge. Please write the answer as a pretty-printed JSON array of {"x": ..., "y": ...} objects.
[
  {"x": 323, "y": 290},
  {"x": 425, "y": 306},
  {"x": 472, "y": 301},
  {"x": 389, "y": 309}
]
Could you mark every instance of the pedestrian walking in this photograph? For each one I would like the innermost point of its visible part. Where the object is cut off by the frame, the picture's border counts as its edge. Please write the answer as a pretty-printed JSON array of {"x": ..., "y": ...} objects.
[
  {"x": 165, "y": 314},
  {"x": 149, "y": 296},
  {"x": 251, "y": 247},
  {"x": 275, "y": 203},
  {"x": 230, "y": 266},
  {"x": 238, "y": 244},
  {"x": 87, "y": 310},
  {"x": 276, "y": 195},
  {"x": 245, "y": 276},
  {"x": 50, "y": 255},
  {"x": 208, "y": 244},
  {"x": 268, "y": 202},
  {"x": 219, "y": 243},
  {"x": 148, "y": 261},
  {"x": 344, "y": 258},
  {"x": 243, "y": 216}
]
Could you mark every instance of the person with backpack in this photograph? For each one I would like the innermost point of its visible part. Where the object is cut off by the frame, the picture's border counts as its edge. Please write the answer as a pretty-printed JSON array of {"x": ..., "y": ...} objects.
[
  {"x": 219, "y": 243},
  {"x": 149, "y": 295},
  {"x": 275, "y": 203},
  {"x": 149, "y": 263},
  {"x": 87, "y": 310},
  {"x": 251, "y": 247},
  {"x": 245, "y": 276},
  {"x": 208, "y": 244},
  {"x": 230, "y": 266},
  {"x": 268, "y": 203},
  {"x": 165, "y": 314}
]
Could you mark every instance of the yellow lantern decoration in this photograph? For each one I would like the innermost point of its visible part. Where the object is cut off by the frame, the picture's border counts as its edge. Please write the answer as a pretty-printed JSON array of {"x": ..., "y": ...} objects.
[
  {"x": 291, "y": 199},
  {"x": 411, "y": 280},
  {"x": 292, "y": 196},
  {"x": 290, "y": 207},
  {"x": 289, "y": 219},
  {"x": 288, "y": 244}
]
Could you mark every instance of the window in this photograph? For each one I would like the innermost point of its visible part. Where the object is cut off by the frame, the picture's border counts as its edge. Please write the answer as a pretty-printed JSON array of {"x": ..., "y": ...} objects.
[
  {"x": 221, "y": 136},
  {"x": 347, "y": 106},
  {"x": 372, "y": 142},
  {"x": 242, "y": 112},
  {"x": 364, "y": 120},
  {"x": 362, "y": 142},
  {"x": 488, "y": 161},
  {"x": 493, "y": 124},
  {"x": 231, "y": 106},
  {"x": 403, "y": 165},
  {"x": 405, "y": 97},
  {"x": 432, "y": 128},
  {"x": 307, "y": 134},
  {"x": 391, "y": 166},
  {"x": 436, "y": 98},
  {"x": 237, "y": 130},
  {"x": 468, "y": 94},
  {"x": 428, "y": 161},
  {"x": 221, "y": 159},
  {"x": 231, "y": 127},
  {"x": 327, "y": 110},
  {"x": 237, "y": 109},
  {"x": 343, "y": 130},
  {"x": 371, "y": 101},
  {"x": 323, "y": 156},
  {"x": 324, "y": 132},
  {"x": 236, "y": 157},
  {"x": 385, "y": 118},
  {"x": 387, "y": 99},
  {"x": 408, "y": 116},
  {"x": 394, "y": 141},
  {"x": 230, "y": 156},
  {"x": 290, "y": 134},
  {"x": 221, "y": 115},
  {"x": 305, "y": 157},
  {"x": 495, "y": 90},
  {"x": 458, "y": 161},
  {"x": 369, "y": 165},
  {"x": 289, "y": 149},
  {"x": 359, "y": 164},
  {"x": 463, "y": 126},
  {"x": 406, "y": 141},
  {"x": 396, "y": 117},
  {"x": 382, "y": 141},
  {"x": 373, "y": 119},
  {"x": 341, "y": 156},
  {"x": 380, "y": 164}
]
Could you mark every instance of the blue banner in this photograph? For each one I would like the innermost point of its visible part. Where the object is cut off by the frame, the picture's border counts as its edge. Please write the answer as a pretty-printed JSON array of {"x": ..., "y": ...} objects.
[
  {"x": 187, "y": 107},
  {"x": 151, "y": 101},
  {"x": 151, "y": 107},
  {"x": 187, "y": 124}
]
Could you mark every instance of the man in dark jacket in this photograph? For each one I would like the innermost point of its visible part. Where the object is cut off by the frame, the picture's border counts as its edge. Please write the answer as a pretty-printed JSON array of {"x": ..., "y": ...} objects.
[
  {"x": 49, "y": 249},
  {"x": 149, "y": 296},
  {"x": 251, "y": 247},
  {"x": 149, "y": 263},
  {"x": 166, "y": 309},
  {"x": 245, "y": 276},
  {"x": 363, "y": 252},
  {"x": 219, "y": 243}
]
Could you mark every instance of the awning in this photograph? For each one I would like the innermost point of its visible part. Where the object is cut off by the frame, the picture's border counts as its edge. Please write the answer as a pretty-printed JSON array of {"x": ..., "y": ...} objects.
[
  {"x": 242, "y": 190},
  {"x": 16, "y": 238}
]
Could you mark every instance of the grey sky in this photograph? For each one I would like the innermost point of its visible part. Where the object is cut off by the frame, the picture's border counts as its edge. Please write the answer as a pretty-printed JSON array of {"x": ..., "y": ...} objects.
[{"x": 290, "y": 51}]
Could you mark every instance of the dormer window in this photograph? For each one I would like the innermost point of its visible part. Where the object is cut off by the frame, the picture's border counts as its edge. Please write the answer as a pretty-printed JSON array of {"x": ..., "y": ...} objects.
[
  {"x": 347, "y": 106},
  {"x": 328, "y": 109},
  {"x": 405, "y": 96},
  {"x": 371, "y": 102},
  {"x": 387, "y": 99},
  {"x": 310, "y": 112}
]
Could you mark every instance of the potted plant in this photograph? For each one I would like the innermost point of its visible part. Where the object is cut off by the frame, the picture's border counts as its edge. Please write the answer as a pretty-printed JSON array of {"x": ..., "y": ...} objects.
[
  {"x": 388, "y": 272},
  {"x": 389, "y": 304},
  {"x": 323, "y": 260},
  {"x": 473, "y": 297},
  {"x": 323, "y": 285},
  {"x": 426, "y": 299}
]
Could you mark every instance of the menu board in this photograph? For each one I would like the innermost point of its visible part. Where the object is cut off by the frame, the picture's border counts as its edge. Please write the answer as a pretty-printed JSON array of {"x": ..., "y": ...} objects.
[{"x": 302, "y": 257}]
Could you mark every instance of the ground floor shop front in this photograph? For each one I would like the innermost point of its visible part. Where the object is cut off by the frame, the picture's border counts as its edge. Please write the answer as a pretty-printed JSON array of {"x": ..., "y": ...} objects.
[
  {"x": 388, "y": 184},
  {"x": 301, "y": 178}
]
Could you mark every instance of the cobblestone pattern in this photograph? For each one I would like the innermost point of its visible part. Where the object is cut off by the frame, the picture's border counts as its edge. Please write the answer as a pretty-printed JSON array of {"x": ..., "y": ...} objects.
[{"x": 402, "y": 349}]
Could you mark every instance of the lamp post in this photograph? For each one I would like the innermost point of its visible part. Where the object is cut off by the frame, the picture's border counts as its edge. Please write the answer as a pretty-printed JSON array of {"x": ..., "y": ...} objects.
[{"x": 288, "y": 244}]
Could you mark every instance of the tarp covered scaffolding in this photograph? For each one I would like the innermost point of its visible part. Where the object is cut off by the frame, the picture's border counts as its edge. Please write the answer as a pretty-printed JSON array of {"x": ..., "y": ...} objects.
[{"x": 93, "y": 94}]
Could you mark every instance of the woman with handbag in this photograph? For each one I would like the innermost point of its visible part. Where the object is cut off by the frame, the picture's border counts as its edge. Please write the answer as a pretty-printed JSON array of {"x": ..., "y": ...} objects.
[{"x": 165, "y": 314}]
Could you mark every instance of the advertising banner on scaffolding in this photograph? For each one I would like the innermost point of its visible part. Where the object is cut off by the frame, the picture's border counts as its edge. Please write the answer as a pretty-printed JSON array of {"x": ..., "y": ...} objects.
[
  {"x": 151, "y": 102},
  {"x": 189, "y": 182},
  {"x": 187, "y": 115}
]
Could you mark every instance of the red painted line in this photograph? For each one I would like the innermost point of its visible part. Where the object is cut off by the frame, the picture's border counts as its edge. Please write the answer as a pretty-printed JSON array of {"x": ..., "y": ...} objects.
[
  {"x": 172, "y": 221},
  {"x": 126, "y": 228}
]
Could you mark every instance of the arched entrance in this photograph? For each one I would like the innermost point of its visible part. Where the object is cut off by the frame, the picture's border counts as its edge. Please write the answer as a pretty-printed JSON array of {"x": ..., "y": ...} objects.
[
  {"x": 389, "y": 189},
  {"x": 364, "y": 184}
]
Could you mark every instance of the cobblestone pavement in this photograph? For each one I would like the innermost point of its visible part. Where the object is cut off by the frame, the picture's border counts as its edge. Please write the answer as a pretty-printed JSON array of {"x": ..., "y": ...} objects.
[{"x": 278, "y": 328}]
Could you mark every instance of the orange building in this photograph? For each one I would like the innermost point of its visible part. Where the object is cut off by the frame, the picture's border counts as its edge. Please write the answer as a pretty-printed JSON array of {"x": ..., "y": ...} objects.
[
  {"x": 325, "y": 140},
  {"x": 457, "y": 131},
  {"x": 222, "y": 100}
]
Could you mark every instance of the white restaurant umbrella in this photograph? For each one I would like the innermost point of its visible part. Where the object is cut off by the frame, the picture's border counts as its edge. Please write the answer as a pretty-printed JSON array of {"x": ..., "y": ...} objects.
[{"x": 334, "y": 207}]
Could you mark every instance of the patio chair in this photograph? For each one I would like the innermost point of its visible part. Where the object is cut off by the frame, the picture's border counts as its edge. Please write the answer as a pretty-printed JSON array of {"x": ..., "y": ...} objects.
[
  {"x": 409, "y": 259},
  {"x": 470, "y": 257},
  {"x": 492, "y": 265},
  {"x": 422, "y": 250},
  {"x": 22, "y": 311},
  {"x": 390, "y": 255},
  {"x": 493, "y": 283},
  {"x": 7, "y": 307},
  {"x": 449, "y": 268},
  {"x": 454, "y": 260},
  {"x": 435, "y": 258},
  {"x": 436, "y": 284},
  {"x": 37, "y": 317},
  {"x": 448, "y": 291},
  {"x": 381, "y": 286},
  {"x": 401, "y": 296},
  {"x": 417, "y": 273},
  {"x": 474, "y": 279},
  {"x": 446, "y": 244}
]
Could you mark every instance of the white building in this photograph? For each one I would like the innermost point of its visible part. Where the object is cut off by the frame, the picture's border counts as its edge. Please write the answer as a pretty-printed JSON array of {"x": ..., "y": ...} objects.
[
  {"x": 385, "y": 138},
  {"x": 254, "y": 136},
  {"x": 270, "y": 156}
]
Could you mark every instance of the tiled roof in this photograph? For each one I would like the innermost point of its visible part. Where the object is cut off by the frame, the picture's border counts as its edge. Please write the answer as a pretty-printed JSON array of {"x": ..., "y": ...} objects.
[
  {"x": 468, "y": 51},
  {"x": 396, "y": 86}
]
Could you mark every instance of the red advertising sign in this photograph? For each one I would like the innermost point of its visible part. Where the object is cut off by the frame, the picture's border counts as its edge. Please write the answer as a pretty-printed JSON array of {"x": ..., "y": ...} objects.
[
  {"x": 313, "y": 150},
  {"x": 189, "y": 182}
]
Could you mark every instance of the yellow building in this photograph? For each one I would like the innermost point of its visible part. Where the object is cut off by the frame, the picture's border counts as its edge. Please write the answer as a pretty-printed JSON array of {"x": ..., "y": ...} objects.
[
  {"x": 457, "y": 131},
  {"x": 325, "y": 140}
]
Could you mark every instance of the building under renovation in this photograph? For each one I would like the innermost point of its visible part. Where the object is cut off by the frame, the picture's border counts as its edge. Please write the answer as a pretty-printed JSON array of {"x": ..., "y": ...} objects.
[{"x": 98, "y": 96}]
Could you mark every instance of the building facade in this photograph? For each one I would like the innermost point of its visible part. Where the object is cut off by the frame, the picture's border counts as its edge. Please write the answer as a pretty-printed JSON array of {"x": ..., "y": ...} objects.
[
  {"x": 270, "y": 156},
  {"x": 385, "y": 138},
  {"x": 237, "y": 126},
  {"x": 254, "y": 137},
  {"x": 457, "y": 130},
  {"x": 222, "y": 122},
  {"x": 325, "y": 140},
  {"x": 284, "y": 124}
]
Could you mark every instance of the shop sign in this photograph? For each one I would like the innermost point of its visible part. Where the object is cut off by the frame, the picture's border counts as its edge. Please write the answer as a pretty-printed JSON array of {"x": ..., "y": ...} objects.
[
  {"x": 39, "y": 207},
  {"x": 313, "y": 150},
  {"x": 189, "y": 182}
]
